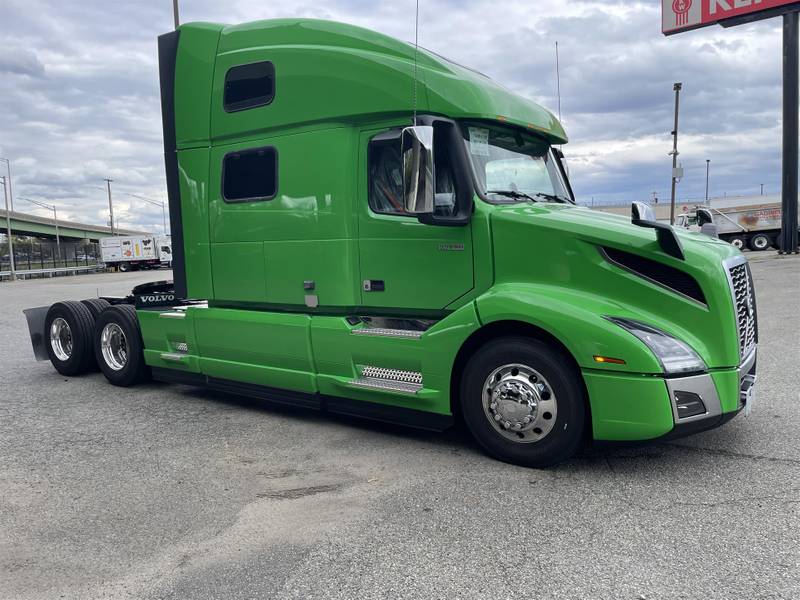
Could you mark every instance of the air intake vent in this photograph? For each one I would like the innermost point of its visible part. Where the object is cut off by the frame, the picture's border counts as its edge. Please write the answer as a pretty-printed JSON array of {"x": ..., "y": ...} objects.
[{"x": 673, "y": 279}]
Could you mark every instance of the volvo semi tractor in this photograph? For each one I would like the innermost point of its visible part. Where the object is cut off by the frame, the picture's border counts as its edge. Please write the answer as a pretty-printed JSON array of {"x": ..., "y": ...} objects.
[{"x": 363, "y": 227}]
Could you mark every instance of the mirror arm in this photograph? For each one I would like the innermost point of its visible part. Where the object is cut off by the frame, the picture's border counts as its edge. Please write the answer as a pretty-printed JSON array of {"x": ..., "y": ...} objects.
[{"x": 665, "y": 236}]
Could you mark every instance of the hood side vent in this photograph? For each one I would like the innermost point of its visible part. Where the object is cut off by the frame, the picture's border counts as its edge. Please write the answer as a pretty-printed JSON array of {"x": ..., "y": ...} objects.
[{"x": 671, "y": 278}]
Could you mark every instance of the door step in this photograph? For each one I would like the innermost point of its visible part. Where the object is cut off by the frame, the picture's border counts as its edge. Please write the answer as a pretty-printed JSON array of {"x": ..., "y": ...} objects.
[{"x": 395, "y": 380}]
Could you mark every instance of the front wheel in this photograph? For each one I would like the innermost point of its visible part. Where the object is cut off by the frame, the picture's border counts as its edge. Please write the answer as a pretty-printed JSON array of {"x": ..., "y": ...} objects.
[
  {"x": 523, "y": 402},
  {"x": 737, "y": 242}
]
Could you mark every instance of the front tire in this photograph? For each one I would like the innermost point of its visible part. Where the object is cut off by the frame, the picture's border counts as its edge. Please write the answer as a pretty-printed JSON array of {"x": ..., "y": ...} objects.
[
  {"x": 737, "y": 242},
  {"x": 68, "y": 327},
  {"x": 118, "y": 346},
  {"x": 523, "y": 402}
]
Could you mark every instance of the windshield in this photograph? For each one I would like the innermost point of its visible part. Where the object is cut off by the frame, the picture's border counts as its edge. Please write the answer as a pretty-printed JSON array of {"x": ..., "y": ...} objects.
[{"x": 512, "y": 165}]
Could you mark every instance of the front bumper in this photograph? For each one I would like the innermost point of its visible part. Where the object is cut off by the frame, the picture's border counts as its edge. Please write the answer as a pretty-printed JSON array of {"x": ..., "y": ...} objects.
[{"x": 629, "y": 407}]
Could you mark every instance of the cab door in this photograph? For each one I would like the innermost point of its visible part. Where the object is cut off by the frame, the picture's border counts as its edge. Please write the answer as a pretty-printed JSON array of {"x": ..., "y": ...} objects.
[{"x": 406, "y": 266}]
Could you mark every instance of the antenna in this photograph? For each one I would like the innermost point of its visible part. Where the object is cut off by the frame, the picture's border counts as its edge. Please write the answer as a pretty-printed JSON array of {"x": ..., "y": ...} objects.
[
  {"x": 558, "y": 83},
  {"x": 416, "y": 47}
]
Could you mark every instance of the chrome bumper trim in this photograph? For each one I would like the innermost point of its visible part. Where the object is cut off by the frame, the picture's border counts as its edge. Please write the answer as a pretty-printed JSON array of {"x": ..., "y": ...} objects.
[{"x": 703, "y": 386}]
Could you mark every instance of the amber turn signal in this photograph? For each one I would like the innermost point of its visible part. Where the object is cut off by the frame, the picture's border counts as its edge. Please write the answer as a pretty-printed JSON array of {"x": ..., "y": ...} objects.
[{"x": 608, "y": 359}]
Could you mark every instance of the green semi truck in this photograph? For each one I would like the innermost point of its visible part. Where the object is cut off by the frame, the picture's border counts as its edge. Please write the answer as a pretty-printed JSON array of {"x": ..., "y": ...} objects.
[{"x": 363, "y": 227}]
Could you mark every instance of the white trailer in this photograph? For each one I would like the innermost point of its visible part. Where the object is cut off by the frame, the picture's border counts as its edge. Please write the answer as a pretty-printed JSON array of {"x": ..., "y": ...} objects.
[
  {"x": 131, "y": 253},
  {"x": 757, "y": 226}
]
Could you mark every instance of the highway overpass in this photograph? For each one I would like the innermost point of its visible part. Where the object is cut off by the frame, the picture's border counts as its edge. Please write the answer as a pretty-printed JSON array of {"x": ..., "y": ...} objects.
[{"x": 33, "y": 225}]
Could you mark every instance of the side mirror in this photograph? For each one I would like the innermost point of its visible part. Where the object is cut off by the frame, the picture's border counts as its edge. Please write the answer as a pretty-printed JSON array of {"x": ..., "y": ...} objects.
[
  {"x": 416, "y": 147},
  {"x": 704, "y": 216},
  {"x": 641, "y": 211}
]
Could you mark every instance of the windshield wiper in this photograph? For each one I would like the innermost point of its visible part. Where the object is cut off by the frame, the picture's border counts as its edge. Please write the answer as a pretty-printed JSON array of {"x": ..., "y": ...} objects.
[
  {"x": 512, "y": 194},
  {"x": 551, "y": 197}
]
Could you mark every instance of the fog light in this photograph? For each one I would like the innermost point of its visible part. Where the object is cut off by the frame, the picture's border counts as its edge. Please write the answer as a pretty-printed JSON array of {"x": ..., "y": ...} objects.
[{"x": 689, "y": 404}]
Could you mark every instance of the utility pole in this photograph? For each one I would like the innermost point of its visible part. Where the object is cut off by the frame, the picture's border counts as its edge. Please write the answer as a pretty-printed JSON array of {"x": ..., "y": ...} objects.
[
  {"x": 762, "y": 188},
  {"x": 790, "y": 132},
  {"x": 175, "y": 13},
  {"x": 8, "y": 178},
  {"x": 677, "y": 88},
  {"x": 8, "y": 232},
  {"x": 110, "y": 205},
  {"x": 708, "y": 165}
]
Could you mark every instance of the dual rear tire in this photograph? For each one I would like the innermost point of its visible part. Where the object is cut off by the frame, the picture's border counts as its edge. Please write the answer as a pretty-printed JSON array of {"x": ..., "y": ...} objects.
[{"x": 82, "y": 336}]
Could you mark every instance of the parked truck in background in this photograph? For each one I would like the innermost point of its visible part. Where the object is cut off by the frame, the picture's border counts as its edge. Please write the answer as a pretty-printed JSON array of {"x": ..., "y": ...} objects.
[
  {"x": 754, "y": 226},
  {"x": 366, "y": 228},
  {"x": 129, "y": 253}
]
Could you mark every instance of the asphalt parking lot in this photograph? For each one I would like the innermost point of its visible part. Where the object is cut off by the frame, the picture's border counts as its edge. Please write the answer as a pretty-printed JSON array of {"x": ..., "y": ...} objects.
[{"x": 164, "y": 491}]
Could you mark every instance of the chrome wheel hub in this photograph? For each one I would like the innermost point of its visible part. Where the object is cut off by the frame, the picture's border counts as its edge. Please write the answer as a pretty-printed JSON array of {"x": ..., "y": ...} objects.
[
  {"x": 519, "y": 403},
  {"x": 114, "y": 346},
  {"x": 61, "y": 339}
]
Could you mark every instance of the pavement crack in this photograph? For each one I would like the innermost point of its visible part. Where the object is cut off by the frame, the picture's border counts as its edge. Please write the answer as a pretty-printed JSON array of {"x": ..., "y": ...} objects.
[
  {"x": 729, "y": 454},
  {"x": 295, "y": 493}
]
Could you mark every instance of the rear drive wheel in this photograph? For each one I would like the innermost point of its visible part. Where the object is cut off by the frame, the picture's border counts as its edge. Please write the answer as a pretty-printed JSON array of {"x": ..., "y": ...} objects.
[
  {"x": 68, "y": 326},
  {"x": 118, "y": 346},
  {"x": 523, "y": 402},
  {"x": 760, "y": 241},
  {"x": 737, "y": 241},
  {"x": 124, "y": 267},
  {"x": 95, "y": 306}
]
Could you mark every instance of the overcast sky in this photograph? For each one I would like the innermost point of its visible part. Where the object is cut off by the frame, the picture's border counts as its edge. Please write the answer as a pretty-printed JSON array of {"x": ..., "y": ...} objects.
[{"x": 79, "y": 91}]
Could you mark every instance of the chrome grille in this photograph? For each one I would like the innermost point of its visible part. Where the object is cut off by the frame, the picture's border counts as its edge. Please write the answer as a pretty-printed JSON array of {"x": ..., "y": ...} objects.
[{"x": 745, "y": 305}]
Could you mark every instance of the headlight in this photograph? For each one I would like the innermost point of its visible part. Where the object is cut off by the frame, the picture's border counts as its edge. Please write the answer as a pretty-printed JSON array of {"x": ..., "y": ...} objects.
[{"x": 674, "y": 355}]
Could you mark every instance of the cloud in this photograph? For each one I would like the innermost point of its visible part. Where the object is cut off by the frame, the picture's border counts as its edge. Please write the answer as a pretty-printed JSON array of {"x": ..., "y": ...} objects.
[{"x": 80, "y": 90}]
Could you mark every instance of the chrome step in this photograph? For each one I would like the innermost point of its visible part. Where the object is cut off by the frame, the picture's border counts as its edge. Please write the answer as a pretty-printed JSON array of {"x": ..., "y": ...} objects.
[
  {"x": 381, "y": 378},
  {"x": 385, "y": 332},
  {"x": 387, "y": 384}
]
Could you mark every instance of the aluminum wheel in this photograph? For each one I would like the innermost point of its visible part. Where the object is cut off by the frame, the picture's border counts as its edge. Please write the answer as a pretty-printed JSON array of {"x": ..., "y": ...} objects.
[
  {"x": 519, "y": 403},
  {"x": 61, "y": 339},
  {"x": 114, "y": 346}
]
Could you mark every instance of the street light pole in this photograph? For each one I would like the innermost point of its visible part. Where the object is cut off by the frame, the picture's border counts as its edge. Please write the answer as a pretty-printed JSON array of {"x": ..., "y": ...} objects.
[
  {"x": 708, "y": 165},
  {"x": 8, "y": 178},
  {"x": 175, "y": 15},
  {"x": 677, "y": 88},
  {"x": 8, "y": 233},
  {"x": 110, "y": 205}
]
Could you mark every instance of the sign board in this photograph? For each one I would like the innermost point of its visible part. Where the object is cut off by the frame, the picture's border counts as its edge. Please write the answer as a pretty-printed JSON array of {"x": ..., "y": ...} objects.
[{"x": 683, "y": 15}]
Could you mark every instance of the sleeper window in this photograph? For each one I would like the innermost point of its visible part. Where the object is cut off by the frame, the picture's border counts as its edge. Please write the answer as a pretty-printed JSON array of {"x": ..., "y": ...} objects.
[
  {"x": 250, "y": 175},
  {"x": 248, "y": 86}
]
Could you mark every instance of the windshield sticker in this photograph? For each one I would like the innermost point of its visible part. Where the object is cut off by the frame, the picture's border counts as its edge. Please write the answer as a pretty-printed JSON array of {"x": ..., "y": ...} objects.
[{"x": 478, "y": 141}]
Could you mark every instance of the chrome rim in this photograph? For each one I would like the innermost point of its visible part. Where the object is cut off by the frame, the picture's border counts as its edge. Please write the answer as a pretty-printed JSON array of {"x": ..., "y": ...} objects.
[
  {"x": 738, "y": 243},
  {"x": 114, "y": 346},
  {"x": 519, "y": 403},
  {"x": 61, "y": 339},
  {"x": 760, "y": 242}
]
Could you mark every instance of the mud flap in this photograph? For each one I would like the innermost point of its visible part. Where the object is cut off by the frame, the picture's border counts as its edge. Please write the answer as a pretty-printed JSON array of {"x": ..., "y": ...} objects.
[{"x": 36, "y": 317}]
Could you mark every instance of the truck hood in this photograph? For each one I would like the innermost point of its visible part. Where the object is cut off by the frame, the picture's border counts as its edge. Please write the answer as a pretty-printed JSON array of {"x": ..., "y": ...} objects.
[{"x": 565, "y": 245}]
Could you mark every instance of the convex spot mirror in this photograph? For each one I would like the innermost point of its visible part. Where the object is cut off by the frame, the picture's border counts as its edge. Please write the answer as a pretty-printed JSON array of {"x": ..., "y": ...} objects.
[
  {"x": 416, "y": 147},
  {"x": 641, "y": 211},
  {"x": 703, "y": 217}
]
